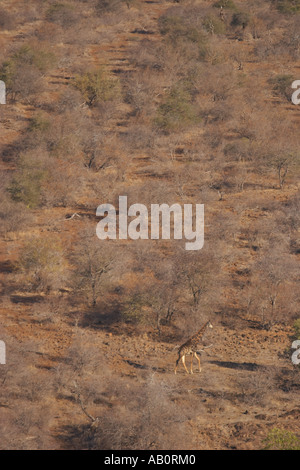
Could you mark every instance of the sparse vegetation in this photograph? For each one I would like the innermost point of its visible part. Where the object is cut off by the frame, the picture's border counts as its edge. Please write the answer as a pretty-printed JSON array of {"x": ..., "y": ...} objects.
[
  {"x": 281, "y": 439},
  {"x": 63, "y": 14},
  {"x": 282, "y": 85},
  {"x": 23, "y": 72},
  {"x": 42, "y": 261},
  {"x": 227, "y": 4},
  {"x": 296, "y": 327},
  {"x": 97, "y": 87},
  {"x": 26, "y": 185},
  {"x": 6, "y": 20},
  {"x": 185, "y": 102},
  {"x": 287, "y": 6},
  {"x": 177, "y": 110},
  {"x": 240, "y": 19}
]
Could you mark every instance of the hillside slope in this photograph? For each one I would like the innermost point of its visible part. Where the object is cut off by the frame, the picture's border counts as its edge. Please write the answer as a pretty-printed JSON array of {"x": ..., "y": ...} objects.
[{"x": 163, "y": 102}]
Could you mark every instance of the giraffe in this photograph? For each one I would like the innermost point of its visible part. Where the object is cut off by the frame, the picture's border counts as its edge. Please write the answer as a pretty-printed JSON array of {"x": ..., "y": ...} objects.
[
  {"x": 222, "y": 14},
  {"x": 190, "y": 347}
]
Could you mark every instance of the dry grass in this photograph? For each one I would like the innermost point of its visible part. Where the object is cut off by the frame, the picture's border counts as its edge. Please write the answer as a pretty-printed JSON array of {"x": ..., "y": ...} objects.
[{"x": 162, "y": 102}]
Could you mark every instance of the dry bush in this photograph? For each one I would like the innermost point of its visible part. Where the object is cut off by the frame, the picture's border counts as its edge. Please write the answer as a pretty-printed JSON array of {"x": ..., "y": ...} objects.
[
  {"x": 49, "y": 32},
  {"x": 50, "y": 145},
  {"x": 147, "y": 55},
  {"x": 60, "y": 135},
  {"x": 258, "y": 387},
  {"x": 109, "y": 6},
  {"x": 274, "y": 295},
  {"x": 292, "y": 39},
  {"x": 43, "y": 264},
  {"x": 24, "y": 393},
  {"x": 154, "y": 303},
  {"x": 140, "y": 92},
  {"x": 121, "y": 414},
  {"x": 23, "y": 71},
  {"x": 26, "y": 83},
  {"x": 15, "y": 217},
  {"x": 287, "y": 6},
  {"x": 282, "y": 85},
  {"x": 93, "y": 261},
  {"x": 26, "y": 184},
  {"x": 63, "y": 14},
  {"x": 140, "y": 137},
  {"x": 65, "y": 185},
  {"x": 50, "y": 310}
]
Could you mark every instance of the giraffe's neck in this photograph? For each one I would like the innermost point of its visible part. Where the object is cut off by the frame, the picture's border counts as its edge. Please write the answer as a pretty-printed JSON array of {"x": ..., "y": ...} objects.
[{"x": 200, "y": 333}]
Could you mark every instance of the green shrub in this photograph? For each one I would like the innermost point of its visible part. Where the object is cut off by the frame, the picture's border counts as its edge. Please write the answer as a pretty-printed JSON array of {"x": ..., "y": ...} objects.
[
  {"x": 228, "y": 4},
  {"x": 39, "y": 122},
  {"x": 97, "y": 86},
  {"x": 62, "y": 13},
  {"x": 280, "y": 439},
  {"x": 288, "y": 6},
  {"x": 282, "y": 85},
  {"x": 135, "y": 308},
  {"x": 14, "y": 217},
  {"x": 107, "y": 6},
  {"x": 26, "y": 185},
  {"x": 214, "y": 25},
  {"x": 177, "y": 110},
  {"x": 170, "y": 25},
  {"x": 23, "y": 71},
  {"x": 35, "y": 55},
  {"x": 296, "y": 327},
  {"x": 42, "y": 260},
  {"x": 175, "y": 28},
  {"x": 179, "y": 32}
]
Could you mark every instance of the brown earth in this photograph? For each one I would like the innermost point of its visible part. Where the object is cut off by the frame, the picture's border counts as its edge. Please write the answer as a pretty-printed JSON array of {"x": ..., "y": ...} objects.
[{"x": 248, "y": 384}]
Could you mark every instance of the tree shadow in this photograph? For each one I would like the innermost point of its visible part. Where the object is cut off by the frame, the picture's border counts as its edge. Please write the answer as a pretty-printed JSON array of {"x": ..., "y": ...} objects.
[
  {"x": 26, "y": 299},
  {"x": 251, "y": 366},
  {"x": 75, "y": 437},
  {"x": 136, "y": 365},
  {"x": 6, "y": 267},
  {"x": 103, "y": 316}
]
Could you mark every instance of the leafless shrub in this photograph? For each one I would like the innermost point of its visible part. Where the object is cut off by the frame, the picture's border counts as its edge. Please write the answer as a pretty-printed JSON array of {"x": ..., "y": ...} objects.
[
  {"x": 257, "y": 387},
  {"x": 92, "y": 262},
  {"x": 42, "y": 262},
  {"x": 25, "y": 414},
  {"x": 14, "y": 217}
]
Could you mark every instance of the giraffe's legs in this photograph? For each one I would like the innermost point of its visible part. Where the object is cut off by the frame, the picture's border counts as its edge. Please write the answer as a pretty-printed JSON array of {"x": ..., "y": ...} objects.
[
  {"x": 183, "y": 362},
  {"x": 192, "y": 357},
  {"x": 198, "y": 359}
]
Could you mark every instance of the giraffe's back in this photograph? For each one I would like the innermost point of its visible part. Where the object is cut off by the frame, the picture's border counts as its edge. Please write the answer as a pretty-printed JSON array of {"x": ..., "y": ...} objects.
[
  {"x": 186, "y": 348},
  {"x": 189, "y": 346}
]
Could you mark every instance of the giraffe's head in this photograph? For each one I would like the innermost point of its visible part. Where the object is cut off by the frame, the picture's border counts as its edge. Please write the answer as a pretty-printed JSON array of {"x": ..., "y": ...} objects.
[{"x": 209, "y": 325}]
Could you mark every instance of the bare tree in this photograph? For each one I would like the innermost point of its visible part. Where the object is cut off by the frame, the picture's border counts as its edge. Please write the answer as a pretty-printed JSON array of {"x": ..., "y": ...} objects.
[{"x": 92, "y": 261}]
